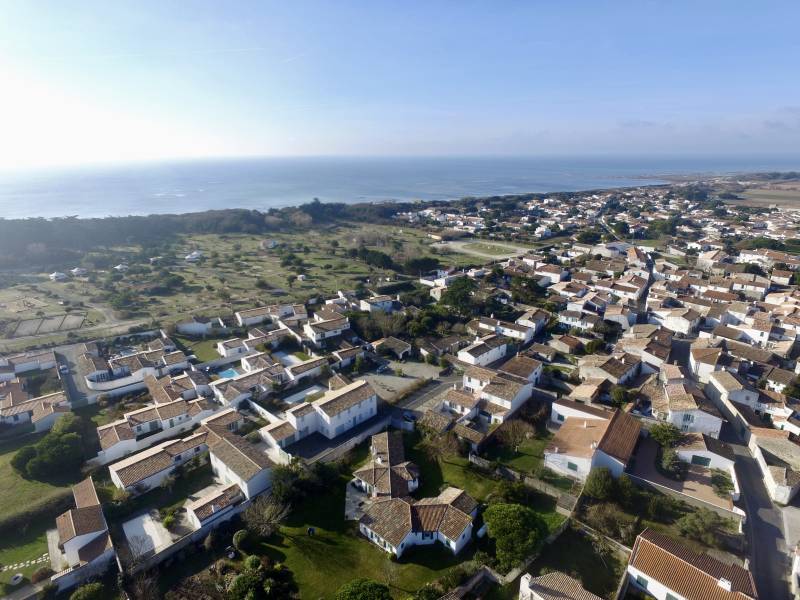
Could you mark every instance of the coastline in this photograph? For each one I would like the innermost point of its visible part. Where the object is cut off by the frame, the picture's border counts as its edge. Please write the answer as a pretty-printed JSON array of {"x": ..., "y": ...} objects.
[{"x": 264, "y": 184}]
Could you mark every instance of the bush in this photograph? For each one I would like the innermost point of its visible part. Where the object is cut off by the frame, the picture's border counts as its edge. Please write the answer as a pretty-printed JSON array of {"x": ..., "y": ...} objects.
[
  {"x": 363, "y": 589},
  {"x": 41, "y": 574},
  {"x": 252, "y": 563},
  {"x": 516, "y": 530},
  {"x": 701, "y": 525},
  {"x": 665, "y": 434},
  {"x": 90, "y": 591},
  {"x": 58, "y": 453},
  {"x": 599, "y": 484},
  {"x": 240, "y": 539}
]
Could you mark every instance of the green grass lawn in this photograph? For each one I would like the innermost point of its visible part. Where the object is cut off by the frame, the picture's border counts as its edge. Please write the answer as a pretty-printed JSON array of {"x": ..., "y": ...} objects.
[
  {"x": 452, "y": 470},
  {"x": 302, "y": 355},
  {"x": 26, "y": 544},
  {"x": 204, "y": 350},
  {"x": 18, "y": 494},
  {"x": 528, "y": 457},
  {"x": 336, "y": 554},
  {"x": 575, "y": 554}
]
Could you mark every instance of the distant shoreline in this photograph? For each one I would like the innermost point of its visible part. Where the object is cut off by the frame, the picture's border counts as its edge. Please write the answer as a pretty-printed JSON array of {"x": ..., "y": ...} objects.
[{"x": 252, "y": 184}]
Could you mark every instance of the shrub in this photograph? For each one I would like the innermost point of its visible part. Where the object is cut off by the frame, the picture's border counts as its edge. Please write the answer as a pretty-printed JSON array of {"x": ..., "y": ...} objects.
[
  {"x": 701, "y": 525},
  {"x": 240, "y": 539},
  {"x": 252, "y": 563},
  {"x": 599, "y": 484},
  {"x": 89, "y": 591},
  {"x": 363, "y": 589},
  {"x": 41, "y": 574},
  {"x": 665, "y": 434},
  {"x": 516, "y": 530}
]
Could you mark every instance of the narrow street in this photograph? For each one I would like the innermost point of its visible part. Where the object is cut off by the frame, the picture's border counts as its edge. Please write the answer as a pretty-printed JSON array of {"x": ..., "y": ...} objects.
[{"x": 769, "y": 558}]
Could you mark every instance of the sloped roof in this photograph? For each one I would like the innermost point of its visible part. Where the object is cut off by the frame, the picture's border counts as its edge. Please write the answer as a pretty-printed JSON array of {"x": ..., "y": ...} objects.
[{"x": 687, "y": 573}]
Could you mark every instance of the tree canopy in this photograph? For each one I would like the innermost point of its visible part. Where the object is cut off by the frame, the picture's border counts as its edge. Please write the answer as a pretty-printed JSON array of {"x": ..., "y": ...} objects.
[
  {"x": 516, "y": 531},
  {"x": 363, "y": 589}
]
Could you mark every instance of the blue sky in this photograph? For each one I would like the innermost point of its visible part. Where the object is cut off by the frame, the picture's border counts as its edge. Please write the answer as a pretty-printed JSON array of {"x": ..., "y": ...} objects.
[{"x": 99, "y": 81}]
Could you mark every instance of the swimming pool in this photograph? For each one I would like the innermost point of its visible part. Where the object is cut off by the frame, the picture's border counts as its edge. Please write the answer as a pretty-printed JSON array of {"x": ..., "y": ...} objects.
[{"x": 228, "y": 373}]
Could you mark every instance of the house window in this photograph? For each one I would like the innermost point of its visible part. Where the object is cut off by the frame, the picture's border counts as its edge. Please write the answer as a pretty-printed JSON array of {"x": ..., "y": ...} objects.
[
  {"x": 572, "y": 466},
  {"x": 701, "y": 460},
  {"x": 688, "y": 418},
  {"x": 641, "y": 582},
  {"x": 671, "y": 597},
  {"x": 560, "y": 417}
]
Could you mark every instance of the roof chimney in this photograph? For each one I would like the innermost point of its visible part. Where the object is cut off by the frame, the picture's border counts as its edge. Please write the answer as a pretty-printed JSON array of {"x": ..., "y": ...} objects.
[
  {"x": 725, "y": 584},
  {"x": 585, "y": 424}
]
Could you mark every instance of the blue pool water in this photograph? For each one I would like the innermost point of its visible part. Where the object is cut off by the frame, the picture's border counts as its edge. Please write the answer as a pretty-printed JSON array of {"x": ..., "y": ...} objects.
[{"x": 228, "y": 373}]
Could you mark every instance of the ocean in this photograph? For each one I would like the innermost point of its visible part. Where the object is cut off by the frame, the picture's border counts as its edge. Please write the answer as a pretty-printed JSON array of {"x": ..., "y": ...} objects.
[{"x": 188, "y": 186}]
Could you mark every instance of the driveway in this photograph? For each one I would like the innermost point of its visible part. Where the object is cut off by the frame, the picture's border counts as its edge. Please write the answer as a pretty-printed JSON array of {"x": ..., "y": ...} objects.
[{"x": 769, "y": 554}]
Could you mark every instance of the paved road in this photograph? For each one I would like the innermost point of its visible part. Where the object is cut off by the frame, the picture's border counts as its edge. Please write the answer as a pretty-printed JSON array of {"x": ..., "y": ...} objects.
[{"x": 769, "y": 558}]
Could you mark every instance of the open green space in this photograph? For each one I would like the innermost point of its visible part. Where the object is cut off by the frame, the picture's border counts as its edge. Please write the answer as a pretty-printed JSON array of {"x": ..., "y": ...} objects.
[
  {"x": 491, "y": 249},
  {"x": 528, "y": 457},
  {"x": 204, "y": 349},
  {"x": 27, "y": 543},
  {"x": 336, "y": 554},
  {"x": 595, "y": 565},
  {"x": 18, "y": 494}
]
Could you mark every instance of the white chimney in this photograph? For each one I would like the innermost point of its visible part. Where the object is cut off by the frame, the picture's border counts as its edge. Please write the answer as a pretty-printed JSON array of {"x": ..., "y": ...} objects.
[
  {"x": 585, "y": 424},
  {"x": 724, "y": 584}
]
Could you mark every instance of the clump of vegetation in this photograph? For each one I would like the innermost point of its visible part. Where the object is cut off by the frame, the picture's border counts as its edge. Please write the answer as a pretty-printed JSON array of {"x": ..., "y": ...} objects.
[
  {"x": 721, "y": 482},
  {"x": 58, "y": 454},
  {"x": 517, "y": 532},
  {"x": 363, "y": 589}
]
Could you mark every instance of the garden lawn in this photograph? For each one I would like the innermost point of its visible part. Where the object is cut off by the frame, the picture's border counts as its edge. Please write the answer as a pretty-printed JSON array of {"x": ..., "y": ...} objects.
[
  {"x": 528, "y": 458},
  {"x": 452, "y": 470},
  {"x": 204, "y": 350},
  {"x": 574, "y": 554},
  {"x": 336, "y": 554},
  {"x": 27, "y": 544},
  {"x": 18, "y": 494}
]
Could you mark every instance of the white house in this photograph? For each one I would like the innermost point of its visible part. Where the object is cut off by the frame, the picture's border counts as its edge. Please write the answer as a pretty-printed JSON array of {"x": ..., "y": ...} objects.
[
  {"x": 252, "y": 316},
  {"x": 388, "y": 474},
  {"x": 84, "y": 544},
  {"x": 665, "y": 569},
  {"x": 582, "y": 444},
  {"x": 552, "y": 586},
  {"x": 397, "y": 524},
  {"x": 373, "y": 304},
  {"x": 484, "y": 351},
  {"x": 199, "y": 326}
]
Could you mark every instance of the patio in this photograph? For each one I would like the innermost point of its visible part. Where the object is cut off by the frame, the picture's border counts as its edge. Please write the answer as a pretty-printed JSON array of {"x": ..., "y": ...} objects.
[{"x": 697, "y": 484}]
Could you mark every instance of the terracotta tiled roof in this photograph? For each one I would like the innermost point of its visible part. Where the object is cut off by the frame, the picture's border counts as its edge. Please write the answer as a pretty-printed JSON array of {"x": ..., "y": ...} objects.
[
  {"x": 559, "y": 586},
  {"x": 687, "y": 573},
  {"x": 621, "y": 436}
]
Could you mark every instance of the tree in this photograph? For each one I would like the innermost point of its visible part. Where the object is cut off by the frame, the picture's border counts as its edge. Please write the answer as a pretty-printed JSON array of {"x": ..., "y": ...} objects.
[
  {"x": 264, "y": 515},
  {"x": 599, "y": 484},
  {"x": 619, "y": 396},
  {"x": 363, "y": 589},
  {"x": 459, "y": 296},
  {"x": 514, "y": 432},
  {"x": 90, "y": 591},
  {"x": 665, "y": 434},
  {"x": 437, "y": 445},
  {"x": 358, "y": 365},
  {"x": 516, "y": 530},
  {"x": 701, "y": 525}
]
